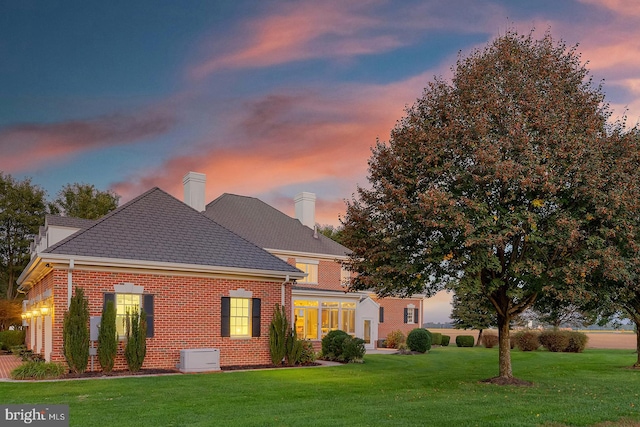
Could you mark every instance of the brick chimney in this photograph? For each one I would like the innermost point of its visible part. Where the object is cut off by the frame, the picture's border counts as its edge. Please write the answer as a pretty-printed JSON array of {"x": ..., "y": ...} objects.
[
  {"x": 306, "y": 208},
  {"x": 194, "y": 184}
]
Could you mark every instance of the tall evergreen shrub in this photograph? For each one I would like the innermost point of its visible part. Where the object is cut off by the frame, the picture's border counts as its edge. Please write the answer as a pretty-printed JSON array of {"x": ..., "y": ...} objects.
[
  {"x": 136, "y": 347},
  {"x": 108, "y": 337},
  {"x": 75, "y": 332},
  {"x": 278, "y": 334}
]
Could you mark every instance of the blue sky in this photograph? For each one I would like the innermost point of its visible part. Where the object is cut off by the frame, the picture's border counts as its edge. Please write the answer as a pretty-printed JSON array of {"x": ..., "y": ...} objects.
[{"x": 268, "y": 98}]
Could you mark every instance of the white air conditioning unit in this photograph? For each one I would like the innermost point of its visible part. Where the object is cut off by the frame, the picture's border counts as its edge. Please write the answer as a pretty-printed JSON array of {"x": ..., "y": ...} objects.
[{"x": 200, "y": 360}]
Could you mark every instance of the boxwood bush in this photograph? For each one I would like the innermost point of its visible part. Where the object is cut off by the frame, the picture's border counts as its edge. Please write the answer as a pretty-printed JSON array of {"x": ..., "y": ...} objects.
[
  {"x": 342, "y": 347},
  {"x": 554, "y": 340},
  {"x": 436, "y": 338},
  {"x": 527, "y": 340},
  {"x": 465, "y": 340},
  {"x": 419, "y": 340},
  {"x": 577, "y": 342},
  {"x": 489, "y": 340},
  {"x": 445, "y": 340}
]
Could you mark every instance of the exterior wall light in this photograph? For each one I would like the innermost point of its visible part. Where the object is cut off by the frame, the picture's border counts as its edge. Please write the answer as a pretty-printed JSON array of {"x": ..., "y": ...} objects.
[{"x": 44, "y": 310}]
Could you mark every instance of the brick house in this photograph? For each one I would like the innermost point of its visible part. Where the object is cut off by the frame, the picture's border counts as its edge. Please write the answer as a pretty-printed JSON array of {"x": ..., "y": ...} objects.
[
  {"x": 201, "y": 285},
  {"x": 320, "y": 302}
]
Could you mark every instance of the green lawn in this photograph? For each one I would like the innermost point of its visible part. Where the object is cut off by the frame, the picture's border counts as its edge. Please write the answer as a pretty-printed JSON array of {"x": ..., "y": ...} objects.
[{"x": 437, "y": 389}]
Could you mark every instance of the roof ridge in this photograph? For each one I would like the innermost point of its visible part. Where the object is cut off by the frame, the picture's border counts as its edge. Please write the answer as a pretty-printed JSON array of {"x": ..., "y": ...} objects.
[{"x": 103, "y": 218}]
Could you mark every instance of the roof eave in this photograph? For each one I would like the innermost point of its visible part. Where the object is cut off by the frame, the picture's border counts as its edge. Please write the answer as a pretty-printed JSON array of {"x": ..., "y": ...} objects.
[{"x": 28, "y": 276}]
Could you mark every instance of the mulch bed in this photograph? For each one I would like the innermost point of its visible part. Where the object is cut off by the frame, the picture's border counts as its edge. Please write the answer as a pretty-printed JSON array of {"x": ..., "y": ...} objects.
[{"x": 267, "y": 366}]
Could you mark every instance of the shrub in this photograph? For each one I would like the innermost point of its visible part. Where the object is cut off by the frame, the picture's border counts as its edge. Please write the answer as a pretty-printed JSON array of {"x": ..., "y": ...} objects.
[
  {"x": 332, "y": 344},
  {"x": 436, "y": 338},
  {"x": 419, "y": 340},
  {"x": 382, "y": 344},
  {"x": 108, "y": 337},
  {"x": 465, "y": 340},
  {"x": 353, "y": 350},
  {"x": 278, "y": 334},
  {"x": 490, "y": 340},
  {"x": 527, "y": 340},
  {"x": 75, "y": 332},
  {"x": 554, "y": 340},
  {"x": 11, "y": 339},
  {"x": 394, "y": 339},
  {"x": 445, "y": 340},
  {"x": 577, "y": 342},
  {"x": 308, "y": 354},
  {"x": 37, "y": 371},
  {"x": 136, "y": 348}
]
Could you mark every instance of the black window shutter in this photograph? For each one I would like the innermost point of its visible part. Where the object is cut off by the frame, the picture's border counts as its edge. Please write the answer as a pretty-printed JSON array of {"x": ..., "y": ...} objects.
[
  {"x": 255, "y": 317},
  {"x": 108, "y": 296},
  {"x": 225, "y": 327},
  {"x": 416, "y": 314},
  {"x": 381, "y": 315},
  {"x": 147, "y": 306},
  {"x": 406, "y": 314}
]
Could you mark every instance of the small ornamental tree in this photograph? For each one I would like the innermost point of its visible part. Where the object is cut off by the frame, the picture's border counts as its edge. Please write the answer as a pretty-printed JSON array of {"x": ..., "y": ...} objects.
[
  {"x": 136, "y": 348},
  {"x": 75, "y": 332},
  {"x": 108, "y": 337}
]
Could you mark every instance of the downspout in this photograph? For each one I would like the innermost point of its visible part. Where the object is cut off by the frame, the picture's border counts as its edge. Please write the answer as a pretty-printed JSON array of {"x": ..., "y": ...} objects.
[
  {"x": 70, "y": 282},
  {"x": 282, "y": 290}
]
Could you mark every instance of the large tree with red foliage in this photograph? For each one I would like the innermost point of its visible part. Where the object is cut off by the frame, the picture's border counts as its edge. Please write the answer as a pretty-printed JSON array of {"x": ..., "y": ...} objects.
[{"x": 496, "y": 182}]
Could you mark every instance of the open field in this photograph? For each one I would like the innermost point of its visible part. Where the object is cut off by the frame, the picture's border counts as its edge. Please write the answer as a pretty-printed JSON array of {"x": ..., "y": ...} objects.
[
  {"x": 597, "y": 339},
  {"x": 441, "y": 388}
]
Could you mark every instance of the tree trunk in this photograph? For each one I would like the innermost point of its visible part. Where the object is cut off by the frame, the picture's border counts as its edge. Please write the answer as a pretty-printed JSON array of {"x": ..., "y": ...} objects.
[
  {"x": 504, "y": 347},
  {"x": 637, "y": 364},
  {"x": 479, "y": 338}
]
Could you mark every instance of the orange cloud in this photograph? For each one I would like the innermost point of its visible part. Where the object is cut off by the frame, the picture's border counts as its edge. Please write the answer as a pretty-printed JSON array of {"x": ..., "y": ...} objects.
[{"x": 30, "y": 145}]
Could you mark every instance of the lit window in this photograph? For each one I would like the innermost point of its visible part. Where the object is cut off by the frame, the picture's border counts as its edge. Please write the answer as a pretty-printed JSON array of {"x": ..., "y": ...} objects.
[
  {"x": 310, "y": 269},
  {"x": 239, "y": 319},
  {"x": 125, "y": 304},
  {"x": 306, "y": 319},
  {"x": 349, "y": 317},
  {"x": 329, "y": 317}
]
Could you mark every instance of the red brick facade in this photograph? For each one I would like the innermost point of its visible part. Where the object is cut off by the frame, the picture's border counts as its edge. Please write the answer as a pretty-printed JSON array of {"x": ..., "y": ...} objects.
[
  {"x": 394, "y": 315},
  {"x": 187, "y": 313},
  {"x": 329, "y": 275}
]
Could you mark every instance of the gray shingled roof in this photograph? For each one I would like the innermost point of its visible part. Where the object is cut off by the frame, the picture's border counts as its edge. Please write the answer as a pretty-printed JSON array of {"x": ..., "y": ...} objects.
[
  {"x": 67, "y": 221},
  {"x": 155, "y": 226},
  {"x": 267, "y": 227}
]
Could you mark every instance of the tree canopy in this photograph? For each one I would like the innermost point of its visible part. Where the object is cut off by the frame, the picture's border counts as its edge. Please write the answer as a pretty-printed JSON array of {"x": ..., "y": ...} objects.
[
  {"x": 497, "y": 182},
  {"x": 84, "y": 201},
  {"x": 22, "y": 211}
]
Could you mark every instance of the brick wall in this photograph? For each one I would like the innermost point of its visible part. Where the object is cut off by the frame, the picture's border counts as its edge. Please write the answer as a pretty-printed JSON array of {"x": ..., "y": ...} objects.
[
  {"x": 187, "y": 314},
  {"x": 329, "y": 275},
  {"x": 394, "y": 315}
]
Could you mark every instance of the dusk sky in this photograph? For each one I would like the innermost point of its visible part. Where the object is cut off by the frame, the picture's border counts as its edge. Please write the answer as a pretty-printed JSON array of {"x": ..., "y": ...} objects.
[{"x": 267, "y": 98}]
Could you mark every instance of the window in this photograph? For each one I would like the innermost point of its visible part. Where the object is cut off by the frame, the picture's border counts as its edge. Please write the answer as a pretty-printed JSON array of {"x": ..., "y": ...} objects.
[
  {"x": 329, "y": 317},
  {"x": 124, "y": 301},
  {"x": 306, "y": 319},
  {"x": 240, "y": 317},
  {"x": 411, "y": 314},
  {"x": 349, "y": 317},
  {"x": 345, "y": 277},
  {"x": 312, "y": 272},
  {"x": 125, "y": 304}
]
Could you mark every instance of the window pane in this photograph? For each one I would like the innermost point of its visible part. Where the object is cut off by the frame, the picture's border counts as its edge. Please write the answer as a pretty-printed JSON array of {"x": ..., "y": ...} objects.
[{"x": 239, "y": 320}]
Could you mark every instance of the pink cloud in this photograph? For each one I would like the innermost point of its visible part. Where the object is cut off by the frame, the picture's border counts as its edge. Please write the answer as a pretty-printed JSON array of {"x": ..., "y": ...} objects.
[
  {"x": 289, "y": 138},
  {"x": 30, "y": 145},
  {"x": 303, "y": 30}
]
